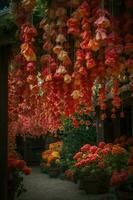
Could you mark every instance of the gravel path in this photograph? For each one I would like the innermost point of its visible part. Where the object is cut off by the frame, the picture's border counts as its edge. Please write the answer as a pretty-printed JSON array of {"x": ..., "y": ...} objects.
[{"x": 41, "y": 187}]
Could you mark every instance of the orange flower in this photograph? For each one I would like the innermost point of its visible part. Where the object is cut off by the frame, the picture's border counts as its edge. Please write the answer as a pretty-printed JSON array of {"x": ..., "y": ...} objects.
[
  {"x": 93, "y": 45},
  {"x": 77, "y": 156},
  {"x": 109, "y": 145},
  {"x": 62, "y": 55},
  {"x": 47, "y": 46},
  {"x": 28, "y": 52},
  {"x": 48, "y": 77},
  {"x": 57, "y": 49},
  {"x": 117, "y": 149}
]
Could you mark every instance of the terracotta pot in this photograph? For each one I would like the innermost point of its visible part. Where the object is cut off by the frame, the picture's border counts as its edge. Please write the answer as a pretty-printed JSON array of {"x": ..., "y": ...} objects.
[
  {"x": 94, "y": 184},
  {"x": 53, "y": 172},
  {"x": 44, "y": 168}
]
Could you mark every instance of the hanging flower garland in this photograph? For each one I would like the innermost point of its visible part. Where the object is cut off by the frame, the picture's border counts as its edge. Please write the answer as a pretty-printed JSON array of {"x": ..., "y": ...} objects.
[{"x": 82, "y": 46}]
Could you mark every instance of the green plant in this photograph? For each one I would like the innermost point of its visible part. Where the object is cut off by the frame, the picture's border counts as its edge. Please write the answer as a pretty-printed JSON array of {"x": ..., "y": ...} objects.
[
  {"x": 15, "y": 183},
  {"x": 73, "y": 138}
]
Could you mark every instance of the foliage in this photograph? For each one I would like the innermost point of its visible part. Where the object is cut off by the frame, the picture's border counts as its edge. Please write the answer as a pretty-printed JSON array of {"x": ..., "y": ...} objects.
[
  {"x": 16, "y": 169},
  {"x": 8, "y": 27},
  {"x": 16, "y": 183},
  {"x": 73, "y": 138}
]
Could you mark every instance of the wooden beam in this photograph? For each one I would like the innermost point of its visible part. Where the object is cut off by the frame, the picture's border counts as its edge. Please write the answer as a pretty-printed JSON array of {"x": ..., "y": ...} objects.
[{"x": 4, "y": 55}]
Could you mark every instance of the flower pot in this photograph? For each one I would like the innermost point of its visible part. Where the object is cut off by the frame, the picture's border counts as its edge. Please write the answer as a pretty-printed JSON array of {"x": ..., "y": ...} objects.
[
  {"x": 81, "y": 184},
  {"x": 44, "y": 168},
  {"x": 54, "y": 172},
  {"x": 95, "y": 184},
  {"x": 124, "y": 195}
]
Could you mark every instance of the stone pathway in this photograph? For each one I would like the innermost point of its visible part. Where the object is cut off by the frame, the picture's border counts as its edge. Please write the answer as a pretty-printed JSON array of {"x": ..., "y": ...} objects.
[{"x": 41, "y": 187}]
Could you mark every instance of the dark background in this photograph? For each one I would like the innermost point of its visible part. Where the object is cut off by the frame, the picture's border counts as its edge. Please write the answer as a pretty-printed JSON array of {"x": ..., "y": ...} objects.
[{"x": 3, "y": 3}]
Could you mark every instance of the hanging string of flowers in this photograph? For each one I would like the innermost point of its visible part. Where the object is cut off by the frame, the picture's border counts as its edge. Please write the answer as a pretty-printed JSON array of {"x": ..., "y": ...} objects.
[{"x": 82, "y": 46}]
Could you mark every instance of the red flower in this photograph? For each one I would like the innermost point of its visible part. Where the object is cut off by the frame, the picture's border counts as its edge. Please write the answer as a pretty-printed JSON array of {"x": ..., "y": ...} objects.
[
  {"x": 85, "y": 148},
  {"x": 75, "y": 123},
  {"x": 85, "y": 34},
  {"x": 101, "y": 144},
  {"x": 92, "y": 157},
  {"x": 20, "y": 164},
  {"x": 77, "y": 156},
  {"x": 105, "y": 151},
  {"x": 80, "y": 55},
  {"x": 81, "y": 122},
  {"x": 26, "y": 170},
  {"x": 78, "y": 165},
  {"x": 84, "y": 9},
  {"x": 119, "y": 177},
  {"x": 88, "y": 123},
  {"x": 93, "y": 149}
]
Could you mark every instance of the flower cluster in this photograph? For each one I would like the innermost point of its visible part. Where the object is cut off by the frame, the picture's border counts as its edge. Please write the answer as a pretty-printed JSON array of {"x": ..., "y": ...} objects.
[
  {"x": 17, "y": 164},
  {"x": 16, "y": 169},
  {"x": 52, "y": 156},
  {"x": 112, "y": 158},
  {"x": 80, "y": 49}
]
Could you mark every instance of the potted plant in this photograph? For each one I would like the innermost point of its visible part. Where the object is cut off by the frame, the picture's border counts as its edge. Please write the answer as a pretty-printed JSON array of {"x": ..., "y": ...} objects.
[
  {"x": 51, "y": 159},
  {"x": 125, "y": 188},
  {"x": 95, "y": 165},
  {"x": 16, "y": 169},
  {"x": 54, "y": 164},
  {"x": 123, "y": 181}
]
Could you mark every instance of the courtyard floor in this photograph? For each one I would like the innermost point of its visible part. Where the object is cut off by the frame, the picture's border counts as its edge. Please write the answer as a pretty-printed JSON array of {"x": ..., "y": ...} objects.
[{"x": 40, "y": 187}]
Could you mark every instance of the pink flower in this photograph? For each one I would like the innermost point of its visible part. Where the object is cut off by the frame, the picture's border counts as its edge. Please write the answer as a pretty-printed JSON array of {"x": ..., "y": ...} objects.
[{"x": 101, "y": 34}]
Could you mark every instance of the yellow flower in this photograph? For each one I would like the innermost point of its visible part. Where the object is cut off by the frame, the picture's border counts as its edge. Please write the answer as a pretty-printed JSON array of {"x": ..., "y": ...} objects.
[
  {"x": 57, "y": 161},
  {"x": 76, "y": 94},
  {"x": 55, "y": 154}
]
